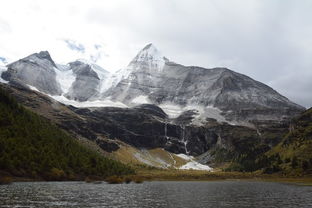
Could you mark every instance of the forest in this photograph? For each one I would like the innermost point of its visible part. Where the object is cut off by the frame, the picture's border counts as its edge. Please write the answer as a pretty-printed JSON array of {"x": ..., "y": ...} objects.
[{"x": 33, "y": 147}]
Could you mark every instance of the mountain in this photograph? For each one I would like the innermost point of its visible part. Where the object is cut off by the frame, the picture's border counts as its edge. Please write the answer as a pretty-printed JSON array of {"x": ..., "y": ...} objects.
[
  {"x": 79, "y": 80},
  {"x": 86, "y": 84},
  {"x": 216, "y": 93},
  {"x": 36, "y": 70},
  {"x": 33, "y": 147},
  {"x": 212, "y": 116},
  {"x": 150, "y": 78},
  {"x": 118, "y": 133},
  {"x": 134, "y": 135},
  {"x": 90, "y": 79}
]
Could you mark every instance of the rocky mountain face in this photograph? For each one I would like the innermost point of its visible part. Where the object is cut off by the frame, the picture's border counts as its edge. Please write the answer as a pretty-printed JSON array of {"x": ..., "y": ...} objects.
[
  {"x": 36, "y": 70},
  {"x": 86, "y": 84},
  {"x": 150, "y": 78},
  {"x": 218, "y": 92},
  {"x": 147, "y": 126},
  {"x": 215, "y": 114},
  {"x": 78, "y": 80}
]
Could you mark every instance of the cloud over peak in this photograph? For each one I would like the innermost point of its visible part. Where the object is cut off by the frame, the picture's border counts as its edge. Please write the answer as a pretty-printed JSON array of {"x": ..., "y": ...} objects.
[{"x": 271, "y": 41}]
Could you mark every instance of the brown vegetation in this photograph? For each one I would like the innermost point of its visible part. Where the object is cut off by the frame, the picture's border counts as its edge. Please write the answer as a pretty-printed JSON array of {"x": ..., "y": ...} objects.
[
  {"x": 197, "y": 175},
  {"x": 114, "y": 179},
  {"x": 5, "y": 180}
]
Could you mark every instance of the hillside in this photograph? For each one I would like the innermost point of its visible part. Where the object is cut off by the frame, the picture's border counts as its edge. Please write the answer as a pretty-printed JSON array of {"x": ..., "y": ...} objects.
[
  {"x": 112, "y": 129},
  {"x": 293, "y": 155},
  {"x": 33, "y": 147}
]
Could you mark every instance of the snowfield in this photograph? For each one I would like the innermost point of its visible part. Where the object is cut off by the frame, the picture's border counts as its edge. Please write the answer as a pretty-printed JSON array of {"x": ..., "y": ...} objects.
[
  {"x": 141, "y": 100},
  {"x": 192, "y": 164},
  {"x": 86, "y": 104},
  {"x": 202, "y": 112},
  {"x": 65, "y": 78}
]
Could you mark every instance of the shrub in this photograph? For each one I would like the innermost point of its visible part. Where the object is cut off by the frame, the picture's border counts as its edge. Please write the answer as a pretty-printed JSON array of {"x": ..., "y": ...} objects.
[
  {"x": 128, "y": 180},
  {"x": 138, "y": 179},
  {"x": 56, "y": 174},
  {"x": 114, "y": 179}
]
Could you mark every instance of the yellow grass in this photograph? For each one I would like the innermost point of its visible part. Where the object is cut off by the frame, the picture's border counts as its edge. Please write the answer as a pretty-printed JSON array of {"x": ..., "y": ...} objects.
[
  {"x": 126, "y": 154},
  {"x": 197, "y": 175}
]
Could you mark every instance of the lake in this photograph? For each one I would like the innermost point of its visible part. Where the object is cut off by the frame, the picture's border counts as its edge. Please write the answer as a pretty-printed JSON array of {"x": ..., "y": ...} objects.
[{"x": 155, "y": 194}]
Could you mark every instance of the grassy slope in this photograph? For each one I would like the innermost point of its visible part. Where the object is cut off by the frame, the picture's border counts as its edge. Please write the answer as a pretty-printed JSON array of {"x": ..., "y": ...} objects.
[
  {"x": 157, "y": 157},
  {"x": 294, "y": 154},
  {"x": 31, "y": 146}
]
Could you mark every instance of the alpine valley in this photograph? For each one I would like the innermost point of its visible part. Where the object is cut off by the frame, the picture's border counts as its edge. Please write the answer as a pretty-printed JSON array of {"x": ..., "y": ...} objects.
[{"x": 159, "y": 113}]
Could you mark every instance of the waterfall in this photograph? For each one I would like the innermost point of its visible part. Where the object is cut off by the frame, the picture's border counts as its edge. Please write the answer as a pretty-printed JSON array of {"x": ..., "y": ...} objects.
[
  {"x": 166, "y": 131},
  {"x": 184, "y": 141}
]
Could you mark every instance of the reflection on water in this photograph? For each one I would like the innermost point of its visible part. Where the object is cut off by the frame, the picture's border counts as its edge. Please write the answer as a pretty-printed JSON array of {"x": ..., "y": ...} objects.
[{"x": 155, "y": 194}]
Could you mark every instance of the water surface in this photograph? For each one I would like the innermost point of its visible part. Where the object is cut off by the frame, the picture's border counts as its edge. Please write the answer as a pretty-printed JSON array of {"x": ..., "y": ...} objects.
[{"x": 155, "y": 194}]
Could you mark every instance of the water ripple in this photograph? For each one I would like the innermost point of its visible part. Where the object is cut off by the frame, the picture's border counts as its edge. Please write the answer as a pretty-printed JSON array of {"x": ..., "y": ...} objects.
[{"x": 155, "y": 194}]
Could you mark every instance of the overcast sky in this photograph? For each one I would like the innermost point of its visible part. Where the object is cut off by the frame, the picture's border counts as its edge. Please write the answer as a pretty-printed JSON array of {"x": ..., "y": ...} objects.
[{"x": 268, "y": 40}]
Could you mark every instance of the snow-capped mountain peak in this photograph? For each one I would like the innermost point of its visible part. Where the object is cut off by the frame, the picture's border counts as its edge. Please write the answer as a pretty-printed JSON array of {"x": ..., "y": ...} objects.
[
  {"x": 37, "y": 70},
  {"x": 149, "y": 57},
  {"x": 181, "y": 91}
]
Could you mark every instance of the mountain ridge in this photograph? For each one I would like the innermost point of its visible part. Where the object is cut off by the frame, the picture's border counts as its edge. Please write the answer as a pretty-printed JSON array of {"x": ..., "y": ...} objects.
[
  {"x": 180, "y": 85},
  {"x": 150, "y": 78}
]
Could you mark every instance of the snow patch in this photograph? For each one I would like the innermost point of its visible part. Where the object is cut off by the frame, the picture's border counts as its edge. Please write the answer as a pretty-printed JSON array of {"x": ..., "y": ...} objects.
[
  {"x": 89, "y": 104},
  {"x": 192, "y": 164},
  {"x": 106, "y": 83},
  {"x": 151, "y": 56},
  {"x": 207, "y": 112},
  {"x": 141, "y": 100},
  {"x": 185, "y": 157},
  {"x": 33, "y": 88},
  {"x": 145, "y": 157},
  {"x": 3, "y": 69},
  {"x": 103, "y": 75},
  {"x": 148, "y": 158},
  {"x": 172, "y": 110},
  {"x": 202, "y": 112},
  {"x": 65, "y": 78},
  {"x": 115, "y": 78}
]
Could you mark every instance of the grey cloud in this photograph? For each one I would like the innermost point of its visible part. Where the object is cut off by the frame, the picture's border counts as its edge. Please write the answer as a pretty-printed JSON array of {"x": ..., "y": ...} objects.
[
  {"x": 268, "y": 40},
  {"x": 297, "y": 87},
  {"x": 73, "y": 45},
  {"x": 262, "y": 39},
  {"x": 95, "y": 57},
  {"x": 3, "y": 60}
]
